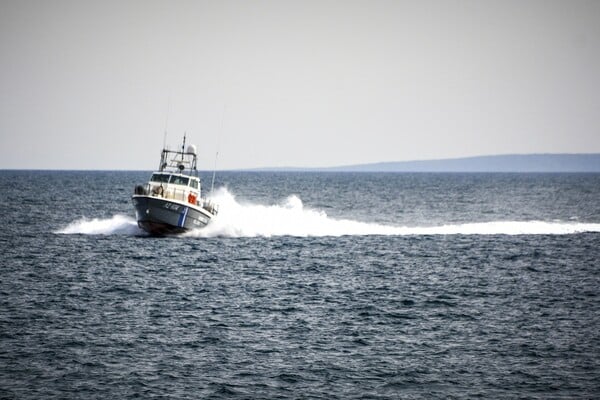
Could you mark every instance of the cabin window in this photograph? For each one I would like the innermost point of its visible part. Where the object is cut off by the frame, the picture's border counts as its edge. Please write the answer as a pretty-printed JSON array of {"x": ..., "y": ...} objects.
[
  {"x": 194, "y": 183},
  {"x": 159, "y": 178},
  {"x": 179, "y": 180}
]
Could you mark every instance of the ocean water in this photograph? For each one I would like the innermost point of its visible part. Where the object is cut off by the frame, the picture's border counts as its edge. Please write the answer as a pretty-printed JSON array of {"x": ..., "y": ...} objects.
[{"x": 306, "y": 285}]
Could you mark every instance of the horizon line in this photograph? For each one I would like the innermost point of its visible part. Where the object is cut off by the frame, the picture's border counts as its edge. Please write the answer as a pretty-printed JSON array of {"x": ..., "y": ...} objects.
[{"x": 341, "y": 167}]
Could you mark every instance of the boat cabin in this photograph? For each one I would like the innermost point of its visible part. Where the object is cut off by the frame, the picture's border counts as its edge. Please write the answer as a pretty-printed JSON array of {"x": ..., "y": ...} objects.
[{"x": 175, "y": 186}]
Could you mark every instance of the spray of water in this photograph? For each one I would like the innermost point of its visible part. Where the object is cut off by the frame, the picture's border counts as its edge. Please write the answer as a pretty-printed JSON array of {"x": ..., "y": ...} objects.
[
  {"x": 291, "y": 218},
  {"x": 116, "y": 225}
]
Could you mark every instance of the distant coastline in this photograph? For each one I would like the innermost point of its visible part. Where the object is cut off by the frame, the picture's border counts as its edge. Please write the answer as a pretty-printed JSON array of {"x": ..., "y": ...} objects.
[
  {"x": 540, "y": 163},
  {"x": 496, "y": 163}
]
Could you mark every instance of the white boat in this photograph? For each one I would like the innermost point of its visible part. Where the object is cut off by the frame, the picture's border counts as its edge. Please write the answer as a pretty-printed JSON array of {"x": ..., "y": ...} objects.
[{"x": 171, "y": 202}]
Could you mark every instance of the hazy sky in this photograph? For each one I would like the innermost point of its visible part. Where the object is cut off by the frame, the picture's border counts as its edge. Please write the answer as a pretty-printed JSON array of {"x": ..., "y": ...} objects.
[{"x": 89, "y": 85}]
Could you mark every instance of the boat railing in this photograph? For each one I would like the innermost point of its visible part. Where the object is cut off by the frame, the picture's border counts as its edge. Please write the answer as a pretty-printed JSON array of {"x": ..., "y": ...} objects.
[
  {"x": 210, "y": 206},
  {"x": 170, "y": 192}
]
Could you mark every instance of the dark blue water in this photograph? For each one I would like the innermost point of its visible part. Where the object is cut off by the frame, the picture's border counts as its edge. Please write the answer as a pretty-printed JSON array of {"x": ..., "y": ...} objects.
[{"x": 309, "y": 286}]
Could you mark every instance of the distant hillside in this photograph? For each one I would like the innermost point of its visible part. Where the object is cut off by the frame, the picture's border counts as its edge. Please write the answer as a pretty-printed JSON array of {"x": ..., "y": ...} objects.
[{"x": 501, "y": 163}]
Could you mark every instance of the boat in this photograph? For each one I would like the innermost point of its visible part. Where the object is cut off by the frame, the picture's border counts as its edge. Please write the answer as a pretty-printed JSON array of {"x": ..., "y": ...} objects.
[{"x": 172, "y": 202}]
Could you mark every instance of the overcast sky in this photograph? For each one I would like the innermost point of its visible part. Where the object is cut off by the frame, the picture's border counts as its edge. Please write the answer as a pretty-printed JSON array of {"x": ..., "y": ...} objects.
[{"x": 92, "y": 85}]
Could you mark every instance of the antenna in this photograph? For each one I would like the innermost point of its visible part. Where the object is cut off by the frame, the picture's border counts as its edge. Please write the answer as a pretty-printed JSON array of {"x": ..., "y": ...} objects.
[
  {"x": 183, "y": 146},
  {"x": 166, "y": 122},
  {"x": 212, "y": 185}
]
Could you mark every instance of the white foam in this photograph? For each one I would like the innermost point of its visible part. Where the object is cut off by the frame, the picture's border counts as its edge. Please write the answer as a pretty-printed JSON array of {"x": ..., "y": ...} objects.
[
  {"x": 116, "y": 225},
  {"x": 291, "y": 218},
  {"x": 505, "y": 228}
]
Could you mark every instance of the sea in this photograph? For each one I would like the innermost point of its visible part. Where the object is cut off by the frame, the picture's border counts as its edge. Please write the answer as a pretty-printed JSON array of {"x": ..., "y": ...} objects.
[{"x": 307, "y": 285}]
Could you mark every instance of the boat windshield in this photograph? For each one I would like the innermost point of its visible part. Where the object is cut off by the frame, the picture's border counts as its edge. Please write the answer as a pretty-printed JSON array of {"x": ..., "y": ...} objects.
[
  {"x": 179, "y": 180},
  {"x": 194, "y": 183},
  {"x": 160, "y": 178}
]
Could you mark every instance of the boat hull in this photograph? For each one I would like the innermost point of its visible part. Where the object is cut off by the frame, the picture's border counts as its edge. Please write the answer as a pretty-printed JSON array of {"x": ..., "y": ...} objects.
[{"x": 159, "y": 216}]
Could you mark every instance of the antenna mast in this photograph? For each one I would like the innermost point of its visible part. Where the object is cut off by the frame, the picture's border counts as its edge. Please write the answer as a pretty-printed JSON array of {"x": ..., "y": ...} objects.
[
  {"x": 183, "y": 146},
  {"x": 212, "y": 185},
  {"x": 166, "y": 123}
]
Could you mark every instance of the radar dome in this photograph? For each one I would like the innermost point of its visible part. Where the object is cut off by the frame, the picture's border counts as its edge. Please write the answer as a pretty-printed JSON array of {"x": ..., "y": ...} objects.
[{"x": 191, "y": 149}]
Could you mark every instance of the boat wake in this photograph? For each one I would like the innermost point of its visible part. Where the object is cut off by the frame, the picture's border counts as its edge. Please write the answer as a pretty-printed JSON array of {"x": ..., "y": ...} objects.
[
  {"x": 116, "y": 225},
  {"x": 291, "y": 218}
]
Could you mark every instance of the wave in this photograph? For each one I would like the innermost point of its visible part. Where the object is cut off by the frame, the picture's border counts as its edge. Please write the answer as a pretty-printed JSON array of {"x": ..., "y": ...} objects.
[{"x": 291, "y": 218}]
